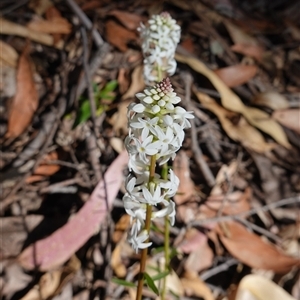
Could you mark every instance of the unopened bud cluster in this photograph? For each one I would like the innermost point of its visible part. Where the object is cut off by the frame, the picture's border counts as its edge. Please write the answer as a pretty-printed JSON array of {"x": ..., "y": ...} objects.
[
  {"x": 159, "y": 41},
  {"x": 156, "y": 128}
]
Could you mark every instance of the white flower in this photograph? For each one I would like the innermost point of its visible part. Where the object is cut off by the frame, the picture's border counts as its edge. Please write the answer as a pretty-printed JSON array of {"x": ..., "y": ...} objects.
[
  {"x": 136, "y": 165},
  {"x": 137, "y": 239},
  {"x": 143, "y": 148},
  {"x": 168, "y": 210},
  {"x": 145, "y": 125},
  {"x": 159, "y": 42},
  {"x": 152, "y": 196}
]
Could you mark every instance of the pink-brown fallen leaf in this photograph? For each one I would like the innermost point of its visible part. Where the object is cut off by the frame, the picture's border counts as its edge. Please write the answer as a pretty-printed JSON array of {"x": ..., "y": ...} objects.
[
  {"x": 289, "y": 118},
  {"x": 195, "y": 243},
  {"x": 251, "y": 250},
  {"x": 26, "y": 100},
  {"x": 54, "y": 250},
  {"x": 129, "y": 20},
  {"x": 118, "y": 35},
  {"x": 236, "y": 75},
  {"x": 254, "y": 51}
]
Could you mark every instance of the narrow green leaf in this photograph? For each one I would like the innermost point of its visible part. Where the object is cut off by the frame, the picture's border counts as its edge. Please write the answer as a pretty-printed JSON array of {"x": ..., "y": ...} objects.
[
  {"x": 84, "y": 113},
  {"x": 151, "y": 283},
  {"x": 123, "y": 282},
  {"x": 110, "y": 86},
  {"x": 160, "y": 275}
]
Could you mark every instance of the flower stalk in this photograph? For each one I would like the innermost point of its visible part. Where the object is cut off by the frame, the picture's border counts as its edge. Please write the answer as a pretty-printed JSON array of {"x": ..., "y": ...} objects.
[{"x": 156, "y": 132}]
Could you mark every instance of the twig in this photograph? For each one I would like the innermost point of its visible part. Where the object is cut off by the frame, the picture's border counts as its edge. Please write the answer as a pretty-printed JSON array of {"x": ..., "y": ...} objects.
[
  {"x": 93, "y": 151},
  {"x": 230, "y": 188},
  {"x": 83, "y": 173},
  {"x": 13, "y": 7},
  {"x": 49, "y": 121},
  {"x": 56, "y": 187},
  {"x": 220, "y": 268},
  {"x": 64, "y": 164},
  {"x": 287, "y": 201},
  {"x": 89, "y": 79},
  {"x": 9, "y": 199},
  {"x": 260, "y": 230},
  {"x": 209, "y": 177},
  {"x": 95, "y": 63},
  {"x": 86, "y": 22}
]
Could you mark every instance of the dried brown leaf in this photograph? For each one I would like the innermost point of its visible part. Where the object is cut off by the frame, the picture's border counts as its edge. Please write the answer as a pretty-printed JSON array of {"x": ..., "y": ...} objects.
[
  {"x": 181, "y": 167},
  {"x": 45, "y": 169},
  {"x": 26, "y": 100},
  {"x": 119, "y": 119},
  {"x": 254, "y": 51},
  {"x": 273, "y": 100},
  {"x": 118, "y": 35},
  {"x": 8, "y": 54},
  {"x": 236, "y": 75},
  {"x": 54, "y": 250},
  {"x": 238, "y": 129},
  {"x": 116, "y": 260},
  {"x": 137, "y": 83},
  {"x": 239, "y": 36},
  {"x": 231, "y": 101},
  {"x": 250, "y": 249},
  {"x": 11, "y": 28},
  {"x": 129, "y": 20},
  {"x": 290, "y": 118},
  {"x": 257, "y": 287},
  {"x": 193, "y": 285},
  {"x": 40, "y": 6},
  {"x": 51, "y": 283},
  {"x": 53, "y": 25}
]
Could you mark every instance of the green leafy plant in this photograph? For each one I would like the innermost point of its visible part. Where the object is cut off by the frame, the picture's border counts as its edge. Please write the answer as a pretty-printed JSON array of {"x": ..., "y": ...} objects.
[{"x": 103, "y": 98}]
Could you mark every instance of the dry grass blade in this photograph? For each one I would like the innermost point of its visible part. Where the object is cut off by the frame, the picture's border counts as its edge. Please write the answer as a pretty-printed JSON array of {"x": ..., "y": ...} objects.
[
  {"x": 11, "y": 28},
  {"x": 239, "y": 130},
  {"x": 231, "y": 101},
  {"x": 8, "y": 54}
]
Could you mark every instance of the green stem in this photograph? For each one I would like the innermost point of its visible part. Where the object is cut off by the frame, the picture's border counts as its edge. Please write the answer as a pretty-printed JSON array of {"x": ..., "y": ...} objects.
[
  {"x": 147, "y": 228},
  {"x": 166, "y": 241}
]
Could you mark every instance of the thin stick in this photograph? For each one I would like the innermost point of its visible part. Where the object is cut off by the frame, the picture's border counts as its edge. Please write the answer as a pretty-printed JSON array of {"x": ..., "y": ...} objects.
[
  {"x": 287, "y": 201},
  {"x": 86, "y": 22},
  {"x": 208, "y": 175},
  {"x": 88, "y": 77}
]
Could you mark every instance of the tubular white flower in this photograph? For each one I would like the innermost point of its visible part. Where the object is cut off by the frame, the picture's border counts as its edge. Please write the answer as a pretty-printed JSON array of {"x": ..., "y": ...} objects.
[
  {"x": 159, "y": 41},
  {"x": 156, "y": 127},
  {"x": 137, "y": 239}
]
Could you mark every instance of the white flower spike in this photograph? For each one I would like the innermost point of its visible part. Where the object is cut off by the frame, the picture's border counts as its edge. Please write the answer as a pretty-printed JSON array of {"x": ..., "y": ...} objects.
[
  {"x": 159, "y": 41},
  {"x": 156, "y": 128}
]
